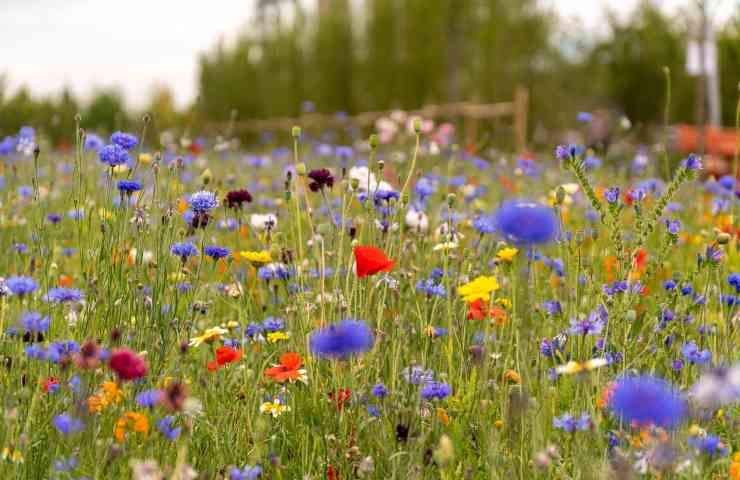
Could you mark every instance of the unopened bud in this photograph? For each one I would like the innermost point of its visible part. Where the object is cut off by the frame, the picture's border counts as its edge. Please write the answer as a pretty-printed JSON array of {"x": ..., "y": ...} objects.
[
  {"x": 206, "y": 176},
  {"x": 417, "y": 125},
  {"x": 373, "y": 141},
  {"x": 451, "y": 197},
  {"x": 300, "y": 169},
  {"x": 355, "y": 183},
  {"x": 723, "y": 238},
  {"x": 381, "y": 165},
  {"x": 296, "y": 132}
]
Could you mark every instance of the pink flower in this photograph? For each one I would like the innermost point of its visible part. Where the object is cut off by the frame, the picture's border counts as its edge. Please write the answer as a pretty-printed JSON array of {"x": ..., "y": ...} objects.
[{"x": 127, "y": 364}]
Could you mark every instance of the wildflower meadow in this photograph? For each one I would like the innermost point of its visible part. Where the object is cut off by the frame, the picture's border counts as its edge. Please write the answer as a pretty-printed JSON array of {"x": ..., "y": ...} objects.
[{"x": 381, "y": 305}]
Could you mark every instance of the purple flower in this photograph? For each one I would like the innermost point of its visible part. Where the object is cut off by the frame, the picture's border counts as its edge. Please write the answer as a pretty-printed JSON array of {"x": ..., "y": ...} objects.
[
  {"x": 34, "y": 322},
  {"x": 612, "y": 194},
  {"x": 202, "y": 201},
  {"x": 524, "y": 222},
  {"x": 708, "y": 445},
  {"x": 379, "y": 391},
  {"x": 21, "y": 286},
  {"x": 64, "y": 295},
  {"x": 124, "y": 140},
  {"x": 128, "y": 186},
  {"x": 568, "y": 423},
  {"x": 67, "y": 424},
  {"x": 165, "y": 428},
  {"x": 149, "y": 398},
  {"x": 647, "y": 400},
  {"x": 184, "y": 250},
  {"x": 674, "y": 226},
  {"x": 692, "y": 162},
  {"x": 113, "y": 155},
  {"x": 215, "y": 252},
  {"x": 432, "y": 390},
  {"x": 342, "y": 340},
  {"x": 694, "y": 355}
]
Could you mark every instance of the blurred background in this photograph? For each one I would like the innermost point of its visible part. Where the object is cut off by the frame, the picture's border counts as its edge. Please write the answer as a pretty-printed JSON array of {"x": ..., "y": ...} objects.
[{"x": 208, "y": 66}]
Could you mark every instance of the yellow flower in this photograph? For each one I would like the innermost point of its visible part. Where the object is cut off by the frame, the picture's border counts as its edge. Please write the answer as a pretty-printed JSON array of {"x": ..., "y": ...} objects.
[
  {"x": 507, "y": 254},
  {"x": 133, "y": 422},
  {"x": 503, "y": 303},
  {"x": 145, "y": 158},
  {"x": 480, "y": 288},
  {"x": 442, "y": 416},
  {"x": 257, "y": 258},
  {"x": 119, "y": 169},
  {"x": 445, "y": 246},
  {"x": 105, "y": 214},
  {"x": 573, "y": 367},
  {"x": 109, "y": 394},
  {"x": 208, "y": 336},
  {"x": 13, "y": 455},
  {"x": 274, "y": 408},
  {"x": 274, "y": 337}
]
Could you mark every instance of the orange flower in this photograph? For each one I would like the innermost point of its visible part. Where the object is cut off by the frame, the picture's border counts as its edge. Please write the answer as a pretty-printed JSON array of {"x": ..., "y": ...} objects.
[
  {"x": 478, "y": 310},
  {"x": 289, "y": 369},
  {"x": 65, "y": 281},
  {"x": 131, "y": 422}
]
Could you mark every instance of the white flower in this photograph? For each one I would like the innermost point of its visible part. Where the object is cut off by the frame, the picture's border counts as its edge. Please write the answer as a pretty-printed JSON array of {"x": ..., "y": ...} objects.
[
  {"x": 417, "y": 220},
  {"x": 262, "y": 222},
  {"x": 717, "y": 387}
]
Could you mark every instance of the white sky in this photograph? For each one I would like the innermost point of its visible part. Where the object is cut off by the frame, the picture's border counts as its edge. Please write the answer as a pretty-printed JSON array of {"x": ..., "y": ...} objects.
[{"x": 135, "y": 44}]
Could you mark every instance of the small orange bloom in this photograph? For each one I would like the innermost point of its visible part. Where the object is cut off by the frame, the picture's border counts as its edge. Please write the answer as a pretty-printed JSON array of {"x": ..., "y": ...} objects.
[
  {"x": 65, "y": 281},
  {"x": 131, "y": 422},
  {"x": 289, "y": 368}
]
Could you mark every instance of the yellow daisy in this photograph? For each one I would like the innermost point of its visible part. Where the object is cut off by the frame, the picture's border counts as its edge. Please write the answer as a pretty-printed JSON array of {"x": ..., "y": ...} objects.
[{"x": 480, "y": 288}]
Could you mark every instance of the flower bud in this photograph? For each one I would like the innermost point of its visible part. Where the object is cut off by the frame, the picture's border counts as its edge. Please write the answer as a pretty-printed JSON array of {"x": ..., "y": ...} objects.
[
  {"x": 206, "y": 176},
  {"x": 300, "y": 169},
  {"x": 560, "y": 195},
  {"x": 723, "y": 238},
  {"x": 417, "y": 125},
  {"x": 373, "y": 141},
  {"x": 296, "y": 132}
]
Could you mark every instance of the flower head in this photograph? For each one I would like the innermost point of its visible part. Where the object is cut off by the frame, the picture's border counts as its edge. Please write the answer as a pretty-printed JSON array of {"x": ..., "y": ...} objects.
[
  {"x": 113, "y": 155},
  {"x": 526, "y": 223},
  {"x": 235, "y": 199},
  {"x": 371, "y": 260},
  {"x": 439, "y": 390},
  {"x": 202, "y": 201},
  {"x": 128, "y": 186},
  {"x": 647, "y": 400},
  {"x": 342, "y": 340},
  {"x": 21, "y": 286},
  {"x": 127, "y": 364},
  {"x": 289, "y": 369},
  {"x": 216, "y": 252},
  {"x": 124, "y": 140},
  {"x": 322, "y": 178},
  {"x": 184, "y": 250},
  {"x": 692, "y": 162},
  {"x": 480, "y": 288}
]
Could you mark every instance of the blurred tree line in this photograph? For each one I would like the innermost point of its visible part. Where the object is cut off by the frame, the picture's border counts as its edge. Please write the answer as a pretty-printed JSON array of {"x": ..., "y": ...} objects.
[{"x": 382, "y": 54}]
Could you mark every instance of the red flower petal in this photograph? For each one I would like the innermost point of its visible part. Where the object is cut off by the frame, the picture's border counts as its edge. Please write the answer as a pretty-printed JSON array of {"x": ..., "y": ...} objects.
[{"x": 371, "y": 260}]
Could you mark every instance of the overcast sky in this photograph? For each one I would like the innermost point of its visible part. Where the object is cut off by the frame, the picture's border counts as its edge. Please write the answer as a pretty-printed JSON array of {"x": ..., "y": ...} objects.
[{"x": 135, "y": 44}]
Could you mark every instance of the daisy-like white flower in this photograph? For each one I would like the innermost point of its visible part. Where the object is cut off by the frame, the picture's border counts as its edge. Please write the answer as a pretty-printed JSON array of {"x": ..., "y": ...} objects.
[
  {"x": 209, "y": 335},
  {"x": 274, "y": 408}
]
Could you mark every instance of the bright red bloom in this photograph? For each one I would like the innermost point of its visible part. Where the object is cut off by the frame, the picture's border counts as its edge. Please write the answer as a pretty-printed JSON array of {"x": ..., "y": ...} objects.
[
  {"x": 127, "y": 364},
  {"x": 371, "y": 260},
  {"x": 640, "y": 258},
  {"x": 224, "y": 355},
  {"x": 478, "y": 310},
  {"x": 288, "y": 369},
  {"x": 341, "y": 397}
]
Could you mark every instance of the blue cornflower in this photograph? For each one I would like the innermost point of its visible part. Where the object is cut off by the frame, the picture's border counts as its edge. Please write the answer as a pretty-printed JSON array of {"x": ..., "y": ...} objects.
[
  {"x": 547, "y": 348},
  {"x": 184, "y": 250},
  {"x": 674, "y": 226},
  {"x": 373, "y": 411},
  {"x": 485, "y": 224},
  {"x": 568, "y": 423},
  {"x": 647, "y": 400},
  {"x": 67, "y": 424},
  {"x": 417, "y": 375},
  {"x": 253, "y": 329},
  {"x": 202, "y": 201},
  {"x": 342, "y": 340},
  {"x": 692, "y": 162},
  {"x": 54, "y": 218},
  {"x": 93, "y": 142},
  {"x": 149, "y": 398},
  {"x": 215, "y": 252},
  {"x": 432, "y": 390},
  {"x": 612, "y": 194},
  {"x": 593, "y": 325},
  {"x": 124, "y": 140},
  {"x": 273, "y": 324},
  {"x": 21, "y": 286},
  {"x": 274, "y": 271},
  {"x": 528, "y": 167},
  {"x": 669, "y": 284},
  {"x": 20, "y": 248},
  {"x": 65, "y": 465},
  {"x": 246, "y": 473},
  {"x": 430, "y": 288},
  {"x": 526, "y": 223},
  {"x": 584, "y": 117},
  {"x": 56, "y": 351},
  {"x": 565, "y": 152},
  {"x": 165, "y": 428},
  {"x": 128, "y": 186},
  {"x": 591, "y": 162},
  {"x": 708, "y": 445},
  {"x": 64, "y": 295},
  {"x": 34, "y": 322},
  {"x": 425, "y": 187},
  {"x": 379, "y": 390},
  {"x": 694, "y": 355},
  {"x": 552, "y": 307},
  {"x": 637, "y": 194},
  {"x": 113, "y": 155}
]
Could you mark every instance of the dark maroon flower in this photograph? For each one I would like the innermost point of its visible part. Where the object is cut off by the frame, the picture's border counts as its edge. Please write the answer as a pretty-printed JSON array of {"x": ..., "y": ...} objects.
[
  {"x": 174, "y": 396},
  {"x": 321, "y": 178},
  {"x": 127, "y": 364},
  {"x": 88, "y": 358},
  {"x": 236, "y": 198}
]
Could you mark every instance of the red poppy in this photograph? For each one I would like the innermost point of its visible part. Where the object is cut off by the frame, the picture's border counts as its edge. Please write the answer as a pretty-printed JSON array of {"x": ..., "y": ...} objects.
[
  {"x": 288, "y": 369},
  {"x": 331, "y": 473},
  {"x": 371, "y": 260},
  {"x": 478, "y": 310},
  {"x": 341, "y": 397},
  {"x": 640, "y": 258},
  {"x": 224, "y": 355}
]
